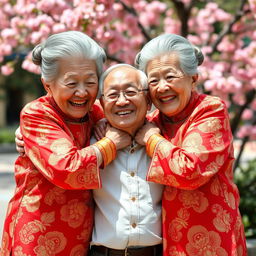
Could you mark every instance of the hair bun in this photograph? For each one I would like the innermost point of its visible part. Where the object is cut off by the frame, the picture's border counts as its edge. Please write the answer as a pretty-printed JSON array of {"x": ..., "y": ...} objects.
[
  {"x": 36, "y": 54},
  {"x": 199, "y": 55}
]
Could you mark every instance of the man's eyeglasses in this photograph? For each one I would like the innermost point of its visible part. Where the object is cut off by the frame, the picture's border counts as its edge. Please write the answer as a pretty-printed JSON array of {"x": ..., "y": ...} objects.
[{"x": 129, "y": 94}]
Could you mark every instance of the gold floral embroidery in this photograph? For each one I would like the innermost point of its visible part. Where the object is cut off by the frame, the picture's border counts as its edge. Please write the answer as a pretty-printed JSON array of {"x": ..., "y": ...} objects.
[
  {"x": 179, "y": 164},
  {"x": 194, "y": 199},
  {"x": 82, "y": 178},
  {"x": 222, "y": 221},
  {"x": 178, "y": 224},
  {"x": 211, "y": 169},
  {"x": 73, "y": 213},
  {"x": 50, "y": 244},
  {"x": 38, "y": 161},
  {"x": 173, "y": 251},
  {"x": 215, "y": 187},
  {"x": 170, "y": 193},
  {"x": 86, "y": 232},
  {"x": 18, "y": 252},
  {"x": 41, "y": 138},
  {"x": 203, "y": 242},
  {"x": 210, "y": 125},
  {"x": 31, "y": 203},
  {"x": 59, "y": 148},
  {"x": 27, "y": 231},
  {"x": 229, "y": 197},
  {"x": 55, "y": 195},
  {"x": 5, "y": 244},
  {"x": 194, "y": 143},
  {"x": 15, "y": 219},
  {"x": 78, "y": 250},
  {"x": 217, "y": 142}
]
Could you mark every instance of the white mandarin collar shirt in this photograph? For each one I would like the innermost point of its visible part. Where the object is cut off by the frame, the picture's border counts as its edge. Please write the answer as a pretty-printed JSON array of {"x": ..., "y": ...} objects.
[{"x": 128, "y": 208}]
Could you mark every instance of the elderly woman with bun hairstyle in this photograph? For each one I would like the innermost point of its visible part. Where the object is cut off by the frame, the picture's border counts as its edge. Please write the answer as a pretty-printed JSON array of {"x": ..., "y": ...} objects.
[
  {"x": 51, "y": 212},
  {"x": 190, "y": 143}
]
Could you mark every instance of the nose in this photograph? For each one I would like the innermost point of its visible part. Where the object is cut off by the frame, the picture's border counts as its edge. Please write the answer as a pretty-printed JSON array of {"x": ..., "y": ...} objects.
[
  {"x": 162, "y": 86},
  {"x": 81, "y": 90},
  {"x": 121, "y": 100}
]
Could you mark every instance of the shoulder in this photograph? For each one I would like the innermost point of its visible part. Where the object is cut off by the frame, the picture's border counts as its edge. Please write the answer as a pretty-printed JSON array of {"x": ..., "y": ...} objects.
[
  {"x": 40, "y": 107},
  {"x": 209, "y": 103}
]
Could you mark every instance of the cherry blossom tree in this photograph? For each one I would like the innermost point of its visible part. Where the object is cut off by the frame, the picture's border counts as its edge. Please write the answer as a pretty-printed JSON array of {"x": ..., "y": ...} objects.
[{"x": 227, "y": 38}]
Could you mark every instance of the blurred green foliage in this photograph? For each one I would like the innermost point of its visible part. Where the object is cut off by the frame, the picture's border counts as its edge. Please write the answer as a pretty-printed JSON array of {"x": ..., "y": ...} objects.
[
  {"x": 7, "y": 134},
  {"x": 245, "y": 179}
]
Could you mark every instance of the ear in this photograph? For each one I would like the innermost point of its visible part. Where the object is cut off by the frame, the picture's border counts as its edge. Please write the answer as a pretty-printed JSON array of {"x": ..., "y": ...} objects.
[
  {"x": 46, "y": 86},
  {"x": 194, "y": 80}
]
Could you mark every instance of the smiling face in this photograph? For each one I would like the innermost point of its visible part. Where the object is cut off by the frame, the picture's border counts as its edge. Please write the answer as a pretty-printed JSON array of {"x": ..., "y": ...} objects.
[
  {"x": 170, "y": 89},
  {"x": 75, "y": 87},
  {"x": 127, "y": 114}
]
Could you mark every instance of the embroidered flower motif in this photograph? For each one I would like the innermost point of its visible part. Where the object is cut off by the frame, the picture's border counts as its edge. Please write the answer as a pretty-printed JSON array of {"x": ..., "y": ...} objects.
[
  {"x": 18, "y": 252},
  {"x": 59, "y": 148},
  {"x": 194, "y": 199},
  {"x": 31, "y": 203},
  {"x": 82, "y": 178},
  {"x": 173, "y": 251},
  {"x": 55, "y": 195},
  {"x": 5, "y": 244},
  {"x": 217, "y": 142},
  {"x": 50, "y": 244},
  {"x": 170, "y": 193},
  {"x": 210, "y": 125},
  {"x": 73, "y": 213},
  {"x": 178, "y": 224},
  {"x": 78, "y": 250},
  {"x": 27, "y": 231},
  {"x": 222, "y": 221},
  {"x": 194, "y": 143},
  {"x": 203, "y": 242}
]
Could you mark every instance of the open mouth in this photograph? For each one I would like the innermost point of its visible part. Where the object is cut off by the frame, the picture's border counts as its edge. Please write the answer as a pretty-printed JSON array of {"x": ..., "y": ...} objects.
[
  {"x": 124, "y": 113},
  {"x": 78, "y": 103},
  {"x": 167, "y": 98}
]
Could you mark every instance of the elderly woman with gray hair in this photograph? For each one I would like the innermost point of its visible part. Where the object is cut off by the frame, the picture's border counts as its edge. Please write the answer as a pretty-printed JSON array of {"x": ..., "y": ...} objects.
[
  {"x": 51, "y": 212},
  {"x": 190, "y": 142}
]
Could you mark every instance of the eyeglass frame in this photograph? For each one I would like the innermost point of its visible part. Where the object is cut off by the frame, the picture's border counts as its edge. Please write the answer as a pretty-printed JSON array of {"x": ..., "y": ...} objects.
[{"x": 124, "y": 94}]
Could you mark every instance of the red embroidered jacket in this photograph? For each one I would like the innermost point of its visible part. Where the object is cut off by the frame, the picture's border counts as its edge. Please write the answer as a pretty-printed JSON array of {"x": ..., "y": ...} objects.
[
  {"x": 51, "y": 212},
  {"x": 200, "y": 201}
]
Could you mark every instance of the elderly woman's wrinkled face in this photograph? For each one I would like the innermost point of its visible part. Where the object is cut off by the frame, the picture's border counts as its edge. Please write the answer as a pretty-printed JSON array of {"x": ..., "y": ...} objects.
[
  {"x": 170, "y": 88},
  {"x": 75, "y": 87}
]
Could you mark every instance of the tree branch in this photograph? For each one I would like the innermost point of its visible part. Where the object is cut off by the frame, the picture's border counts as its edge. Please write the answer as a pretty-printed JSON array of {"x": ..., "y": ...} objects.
[
  {"x": 183, "y": 13},
  {"x": 134, "y": 13},
  {"x": 240, "y": 13}
]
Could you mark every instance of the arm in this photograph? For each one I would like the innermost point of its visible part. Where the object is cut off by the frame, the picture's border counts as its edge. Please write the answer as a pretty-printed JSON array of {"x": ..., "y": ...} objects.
[
  {"x": 204, "y": 151},
  {"x": 52, "y": 150}
]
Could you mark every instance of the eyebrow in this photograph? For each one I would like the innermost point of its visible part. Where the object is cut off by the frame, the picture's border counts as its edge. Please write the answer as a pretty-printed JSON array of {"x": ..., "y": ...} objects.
[
  {"x": 70, "y": 74},
  {"x": 167, "y": 70},
  {"x": 132, "y": 84}
]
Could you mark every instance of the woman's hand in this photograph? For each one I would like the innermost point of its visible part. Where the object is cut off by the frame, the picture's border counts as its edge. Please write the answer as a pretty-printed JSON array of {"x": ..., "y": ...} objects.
[
  {"x": 100, "y": 129},
  {"x": 145, "y": 132},
  {"x": 120, "y": 138},
  {"x": 19, "y": 142}
]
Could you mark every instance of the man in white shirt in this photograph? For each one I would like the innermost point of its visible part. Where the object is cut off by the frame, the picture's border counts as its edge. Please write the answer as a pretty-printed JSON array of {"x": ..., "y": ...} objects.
[{"x": 128, "y": 208}]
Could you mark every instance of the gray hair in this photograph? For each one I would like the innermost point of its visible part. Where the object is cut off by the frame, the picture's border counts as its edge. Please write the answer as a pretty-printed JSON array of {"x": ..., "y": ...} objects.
[
  {"x": 190, "y": 57},
  {"x": 142, "y": 77},
  {"x": 62, "y": 45}
]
